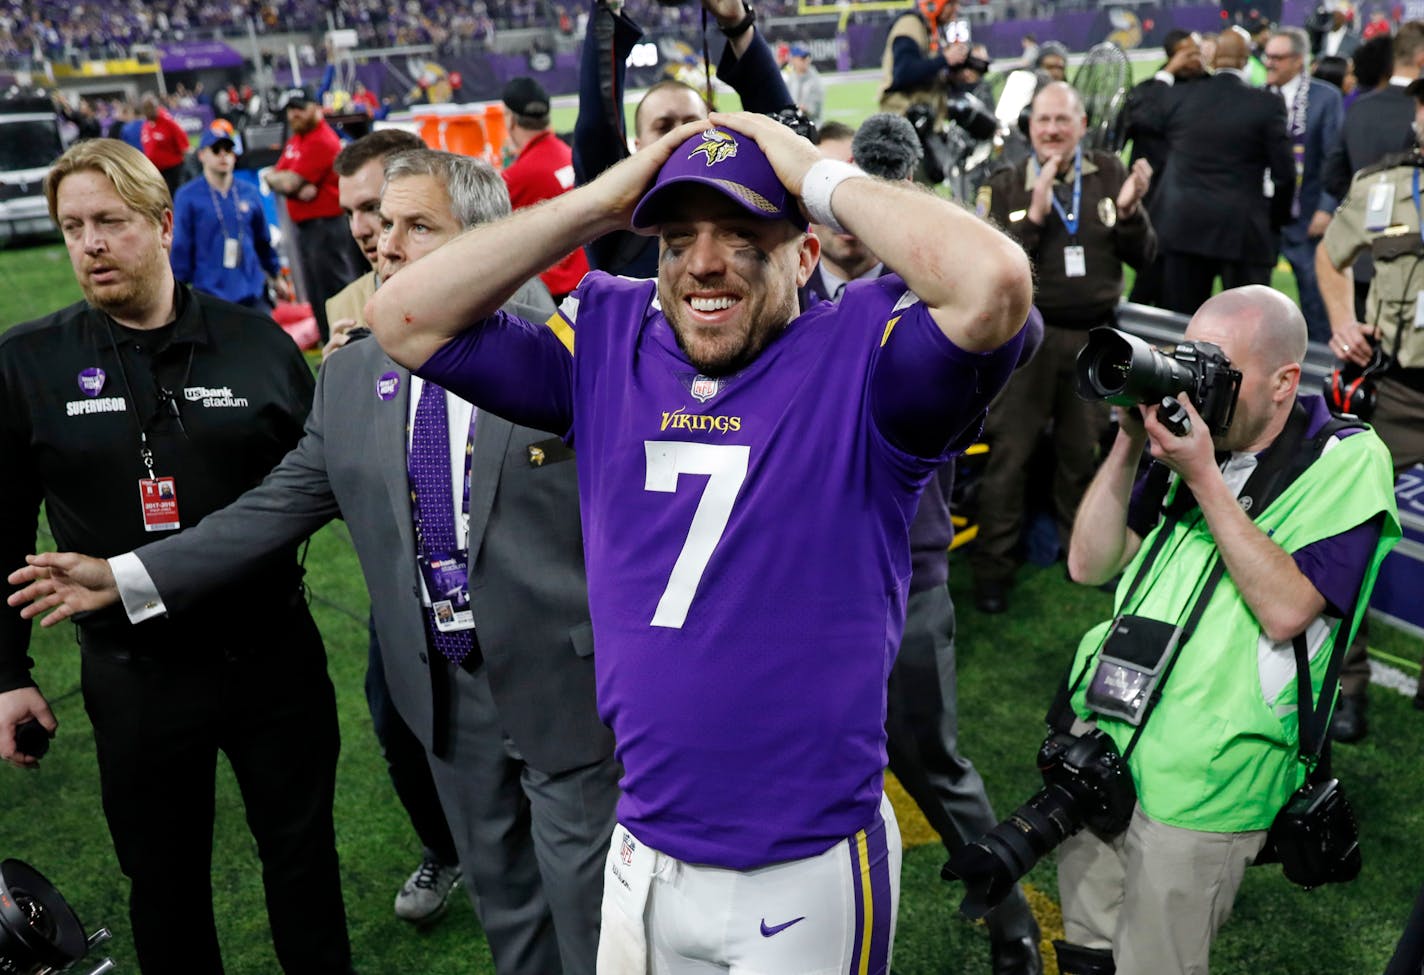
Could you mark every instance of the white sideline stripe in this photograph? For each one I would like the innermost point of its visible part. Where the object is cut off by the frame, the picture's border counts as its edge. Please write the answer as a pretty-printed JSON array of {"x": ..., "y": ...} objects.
[{"x": 1387, "y": 675}]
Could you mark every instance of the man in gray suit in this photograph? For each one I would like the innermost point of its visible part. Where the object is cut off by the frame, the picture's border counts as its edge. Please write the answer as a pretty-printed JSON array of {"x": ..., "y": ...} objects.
[{"x": 523, "y": 766}]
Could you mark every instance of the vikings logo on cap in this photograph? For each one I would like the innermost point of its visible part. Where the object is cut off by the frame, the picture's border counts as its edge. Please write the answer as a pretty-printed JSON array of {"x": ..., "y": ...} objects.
[
  {"x": 718, "y": 146},
  {"x": 733, "y": 165}
]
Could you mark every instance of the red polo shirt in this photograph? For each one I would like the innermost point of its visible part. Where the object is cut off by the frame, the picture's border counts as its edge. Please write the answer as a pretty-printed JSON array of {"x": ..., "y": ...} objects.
[
  {"x": 164, "y": 141},
  {"x": 310, "y": 156},
  {"x": 544, "y": 169}
]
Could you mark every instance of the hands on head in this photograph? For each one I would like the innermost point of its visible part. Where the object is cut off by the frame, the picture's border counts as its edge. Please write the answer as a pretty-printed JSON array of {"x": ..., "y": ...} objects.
[{"x": 790, "y": 156}]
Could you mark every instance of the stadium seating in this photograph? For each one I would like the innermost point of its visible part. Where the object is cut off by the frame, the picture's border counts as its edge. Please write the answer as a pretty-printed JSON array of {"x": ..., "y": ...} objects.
[{"x": 107, "y": 28}]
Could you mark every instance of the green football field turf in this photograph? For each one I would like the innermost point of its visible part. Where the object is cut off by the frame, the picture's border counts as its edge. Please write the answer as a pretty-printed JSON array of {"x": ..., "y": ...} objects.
[{"x": 1008, "y": 669}]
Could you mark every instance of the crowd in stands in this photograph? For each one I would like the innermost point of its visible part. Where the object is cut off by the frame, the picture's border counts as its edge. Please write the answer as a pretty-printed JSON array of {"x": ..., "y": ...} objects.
[{"x": 109, "y": 28}]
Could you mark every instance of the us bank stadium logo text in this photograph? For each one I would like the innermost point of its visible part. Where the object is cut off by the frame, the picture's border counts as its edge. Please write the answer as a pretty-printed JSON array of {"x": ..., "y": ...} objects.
[
  {"x": 680, "y": 419},
  {"x": 213, "y": 396}
]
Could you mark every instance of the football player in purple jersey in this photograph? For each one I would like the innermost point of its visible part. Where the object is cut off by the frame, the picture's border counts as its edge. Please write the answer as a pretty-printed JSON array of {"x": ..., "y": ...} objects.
[{"x": 747, "y": 475}]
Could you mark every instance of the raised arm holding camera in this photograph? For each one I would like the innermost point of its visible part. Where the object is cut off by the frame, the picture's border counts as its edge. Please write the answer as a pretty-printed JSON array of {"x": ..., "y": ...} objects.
[{"x": 1229, "y": 561}]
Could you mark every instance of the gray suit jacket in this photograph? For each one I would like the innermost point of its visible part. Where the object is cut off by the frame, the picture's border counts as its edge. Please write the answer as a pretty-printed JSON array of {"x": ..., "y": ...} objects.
[{"x": 527, "y": 586}]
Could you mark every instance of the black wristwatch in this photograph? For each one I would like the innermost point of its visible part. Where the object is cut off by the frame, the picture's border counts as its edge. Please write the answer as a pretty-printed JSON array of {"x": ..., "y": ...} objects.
[{"x": 741, "y": 26}]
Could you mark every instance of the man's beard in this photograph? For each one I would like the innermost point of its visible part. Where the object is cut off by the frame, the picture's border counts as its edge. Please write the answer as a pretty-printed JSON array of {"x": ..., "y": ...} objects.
[
  {"x": 133, "y": 294},
  {"x": 725, "y": 352},
  {"x": 725, "y": 359}
]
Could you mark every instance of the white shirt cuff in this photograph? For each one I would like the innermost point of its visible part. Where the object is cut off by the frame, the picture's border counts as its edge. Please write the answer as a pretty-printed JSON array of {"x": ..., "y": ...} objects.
[
  {"x": 136, "y": 589},
  {"x": 1167, "y": 78}
]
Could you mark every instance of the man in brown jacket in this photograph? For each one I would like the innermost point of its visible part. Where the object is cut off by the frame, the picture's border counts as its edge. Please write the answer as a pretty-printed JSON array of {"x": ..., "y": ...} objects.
[{"x": 1077, "y": 213}]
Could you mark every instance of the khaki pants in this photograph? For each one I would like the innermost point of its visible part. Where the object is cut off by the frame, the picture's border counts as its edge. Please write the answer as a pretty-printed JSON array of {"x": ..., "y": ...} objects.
[
  {"x": 1156, "y": 895},
  {"x": 1399, "y": 421}
]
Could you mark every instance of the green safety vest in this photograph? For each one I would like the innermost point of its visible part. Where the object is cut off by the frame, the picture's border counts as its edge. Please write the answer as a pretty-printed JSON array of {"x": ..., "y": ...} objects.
[{"x": 1215, "y": 754}]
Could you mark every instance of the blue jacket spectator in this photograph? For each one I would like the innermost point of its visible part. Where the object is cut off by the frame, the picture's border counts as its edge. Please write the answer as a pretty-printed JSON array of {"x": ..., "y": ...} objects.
[{"x": 220, "y": 237}]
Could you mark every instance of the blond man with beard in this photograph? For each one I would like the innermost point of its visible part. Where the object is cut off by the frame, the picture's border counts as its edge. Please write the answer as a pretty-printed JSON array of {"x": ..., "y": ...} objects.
[
  {"x": 195, "y": 399},
  {"x": 488, "y": 654}
]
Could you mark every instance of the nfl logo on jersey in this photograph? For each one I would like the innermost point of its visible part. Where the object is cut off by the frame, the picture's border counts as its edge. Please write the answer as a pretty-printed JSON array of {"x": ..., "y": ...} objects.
[
  {"x": 626, "y": 848},
  {"x": 704, "y": 388}
]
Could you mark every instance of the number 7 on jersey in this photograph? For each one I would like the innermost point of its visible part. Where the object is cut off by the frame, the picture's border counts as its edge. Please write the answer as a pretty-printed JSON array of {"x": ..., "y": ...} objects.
[{"x": 726, "y": 468}]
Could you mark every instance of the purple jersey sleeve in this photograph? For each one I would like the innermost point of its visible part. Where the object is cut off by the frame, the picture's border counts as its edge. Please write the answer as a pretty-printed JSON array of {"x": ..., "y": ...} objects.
[
  {"x": 1336, "y": 565},
  {"x": 919, "y": 374},
  {"x": 517, "y": 369}
]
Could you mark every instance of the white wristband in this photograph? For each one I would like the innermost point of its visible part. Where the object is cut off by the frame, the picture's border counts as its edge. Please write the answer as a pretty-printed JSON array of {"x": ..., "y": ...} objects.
[{"x": 817, "y": 186}]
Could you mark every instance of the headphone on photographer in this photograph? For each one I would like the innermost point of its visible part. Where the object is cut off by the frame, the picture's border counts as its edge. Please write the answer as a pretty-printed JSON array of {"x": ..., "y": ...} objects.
[{"x": 1351, "y": 389}]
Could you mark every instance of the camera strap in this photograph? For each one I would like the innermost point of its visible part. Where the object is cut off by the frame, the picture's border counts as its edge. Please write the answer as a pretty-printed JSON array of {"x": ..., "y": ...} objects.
[
  {"x": 1310, "y": 712},
  {"x": 1279, "y": 465}
]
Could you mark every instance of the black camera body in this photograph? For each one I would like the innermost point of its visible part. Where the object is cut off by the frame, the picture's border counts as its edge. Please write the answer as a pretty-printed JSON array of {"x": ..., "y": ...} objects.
[
  {"x": 980, "y": 65},
  {"x": 795, "y": 120},
  {"x": 1125, "y": 371},
  {"x": 1091, "y": 769},
  {"x": 1086, "y": 783},
  {"x": 1316, "y": 837}
]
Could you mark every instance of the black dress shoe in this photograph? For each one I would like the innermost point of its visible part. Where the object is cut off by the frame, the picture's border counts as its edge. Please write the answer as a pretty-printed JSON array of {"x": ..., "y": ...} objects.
[
  {"x": 1347, "y": 724},
  {"x": 1017, "y": 957},
  {"x": 990, "y": 596}
]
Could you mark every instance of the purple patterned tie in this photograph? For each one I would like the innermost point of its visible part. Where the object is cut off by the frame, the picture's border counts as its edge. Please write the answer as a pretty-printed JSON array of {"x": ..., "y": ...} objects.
[{"x": 432, "y": 504}]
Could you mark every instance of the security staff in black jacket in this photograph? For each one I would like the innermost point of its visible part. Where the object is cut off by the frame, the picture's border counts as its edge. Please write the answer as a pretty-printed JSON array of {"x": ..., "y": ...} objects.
[
  {"x": 1078, "y": 214},
  {"x": 131, "y": 414}
]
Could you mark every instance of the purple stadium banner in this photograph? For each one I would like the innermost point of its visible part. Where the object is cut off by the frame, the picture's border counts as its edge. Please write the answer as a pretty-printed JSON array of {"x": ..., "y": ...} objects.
[
  {"x": 195, "y": 56},
  {"x": 193, "y": 118}
]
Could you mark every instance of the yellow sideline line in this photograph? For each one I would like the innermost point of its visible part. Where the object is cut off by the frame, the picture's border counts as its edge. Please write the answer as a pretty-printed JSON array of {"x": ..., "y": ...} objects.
[
  {"x": 915, "y": 831},
  {"x": 1391, "y": 658}
]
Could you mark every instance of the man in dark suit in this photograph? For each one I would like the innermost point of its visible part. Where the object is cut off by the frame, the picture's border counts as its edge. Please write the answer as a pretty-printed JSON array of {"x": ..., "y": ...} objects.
[
  {"x": 1144, "y": 113},
  {"x": 1313, "y": 114},
  {"x": 523, "y": 766},
  {"x": 1223, "y": 136},
  {"x": 1377, "y": 124}
]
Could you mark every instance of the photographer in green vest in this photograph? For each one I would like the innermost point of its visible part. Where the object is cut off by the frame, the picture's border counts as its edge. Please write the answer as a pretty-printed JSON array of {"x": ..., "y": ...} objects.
[{"x": 1251, "y": 540}]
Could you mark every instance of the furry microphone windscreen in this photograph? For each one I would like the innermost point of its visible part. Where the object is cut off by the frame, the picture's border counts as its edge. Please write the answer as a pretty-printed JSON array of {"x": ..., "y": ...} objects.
[{"x": 887, "y": 146}]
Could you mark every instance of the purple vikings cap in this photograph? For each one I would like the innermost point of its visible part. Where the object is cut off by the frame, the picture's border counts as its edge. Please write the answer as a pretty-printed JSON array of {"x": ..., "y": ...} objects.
[{"x": 729, "y": 162}]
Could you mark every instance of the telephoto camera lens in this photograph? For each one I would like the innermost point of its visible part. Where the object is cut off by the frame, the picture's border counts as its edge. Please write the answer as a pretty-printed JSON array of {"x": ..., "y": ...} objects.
[
  {"x": 1086, "y": 784},
  {"x": 38, "y": 931},
  {"x": 1125, "y": 370},
  {"x": 991, "y": 866}
]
